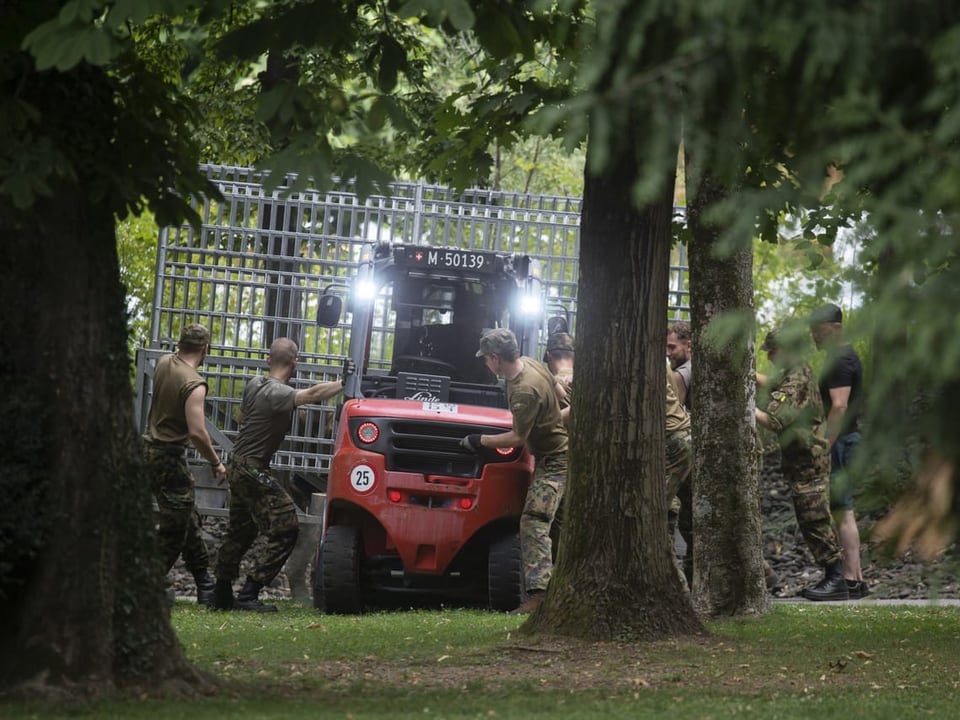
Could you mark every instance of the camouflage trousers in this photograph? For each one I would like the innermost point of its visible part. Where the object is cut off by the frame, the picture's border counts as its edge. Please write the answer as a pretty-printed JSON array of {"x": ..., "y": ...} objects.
[
  {"x": 679, "y": 456},
  {"x": 258, "y": 505},
  {"x": 809, "y": 485},
  {"x": 543, "y": 500},
  {"x": 178, "y": 524}
]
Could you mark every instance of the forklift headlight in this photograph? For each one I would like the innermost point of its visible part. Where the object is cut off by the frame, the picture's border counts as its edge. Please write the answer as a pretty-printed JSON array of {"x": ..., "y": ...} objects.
[
  {"x": 530, "y": 305},
  {"x": 364, "y": 291}
]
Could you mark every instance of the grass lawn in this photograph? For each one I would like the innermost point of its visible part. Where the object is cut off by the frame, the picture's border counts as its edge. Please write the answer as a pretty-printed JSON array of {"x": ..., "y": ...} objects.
[{"x": 798, "y": 661}]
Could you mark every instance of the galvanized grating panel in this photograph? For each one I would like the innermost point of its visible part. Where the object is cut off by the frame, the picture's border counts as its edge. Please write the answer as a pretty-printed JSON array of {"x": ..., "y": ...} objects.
[{"x": 260, "y": 261}]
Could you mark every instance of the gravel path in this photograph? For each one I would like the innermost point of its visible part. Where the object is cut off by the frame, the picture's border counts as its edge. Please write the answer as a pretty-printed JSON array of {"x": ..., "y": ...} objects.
[{"x": 890, "y": 579}]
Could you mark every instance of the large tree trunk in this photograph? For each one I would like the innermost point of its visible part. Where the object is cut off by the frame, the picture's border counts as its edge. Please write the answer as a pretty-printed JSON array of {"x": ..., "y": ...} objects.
[
  {"x": 615, "y": 576},
  {"x": 728, "y": 574},
  {"x": 81, "y": 593}
]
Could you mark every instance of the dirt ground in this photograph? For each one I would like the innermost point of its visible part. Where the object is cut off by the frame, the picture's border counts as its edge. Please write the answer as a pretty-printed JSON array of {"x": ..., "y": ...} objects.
[{"x": 559, "y": 664}]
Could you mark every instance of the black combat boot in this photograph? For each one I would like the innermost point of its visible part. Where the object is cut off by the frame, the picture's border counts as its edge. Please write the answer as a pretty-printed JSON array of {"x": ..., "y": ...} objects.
[
  {"x": 204, "y": 587},
  {"x": 832, "y": 587},
  {"x": 248, "y": 598},
  {"x": 223, "y": 594}
]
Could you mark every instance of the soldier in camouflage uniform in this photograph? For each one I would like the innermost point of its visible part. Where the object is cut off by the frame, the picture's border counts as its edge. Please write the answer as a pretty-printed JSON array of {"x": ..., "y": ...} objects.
[
  {"x": 258, "y": 504},
  {"x": 559, "y": 357},
  {"x": 537, "y": 423},
  {"x": 176, "y": 415},
  {"x": 795, "y": 413}
]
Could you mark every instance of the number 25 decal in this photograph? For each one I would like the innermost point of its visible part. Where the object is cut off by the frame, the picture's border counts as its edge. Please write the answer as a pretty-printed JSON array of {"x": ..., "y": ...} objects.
[{"x": 362, "y": 478}]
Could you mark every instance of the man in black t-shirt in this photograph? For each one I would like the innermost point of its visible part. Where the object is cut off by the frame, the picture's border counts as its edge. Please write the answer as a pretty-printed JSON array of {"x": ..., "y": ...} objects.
[{"x": 841, "y": 389}]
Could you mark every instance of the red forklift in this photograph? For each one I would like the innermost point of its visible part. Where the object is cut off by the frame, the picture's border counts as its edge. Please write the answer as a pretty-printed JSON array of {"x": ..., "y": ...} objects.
[{"x": 410, "y": 515}]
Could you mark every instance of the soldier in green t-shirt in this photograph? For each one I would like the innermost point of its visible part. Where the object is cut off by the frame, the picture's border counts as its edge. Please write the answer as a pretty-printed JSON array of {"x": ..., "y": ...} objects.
[
  {"x": 258, "y": 504},
  {"x": 678, "y": 443},
  {"x": 559, "y": 357},
  {"x": 537, "y": 423},
  {"x": 176, "y": 416}
]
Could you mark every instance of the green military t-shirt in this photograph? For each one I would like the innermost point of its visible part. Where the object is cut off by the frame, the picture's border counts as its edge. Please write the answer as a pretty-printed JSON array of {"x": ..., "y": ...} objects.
[
  {"x": 173, "y": 381},
  {"x": 677, "y": 417},
  {"x": 266, "y": 413},
  {"x": 533, "y": 403},
  {"x": 565, "y": 380}
]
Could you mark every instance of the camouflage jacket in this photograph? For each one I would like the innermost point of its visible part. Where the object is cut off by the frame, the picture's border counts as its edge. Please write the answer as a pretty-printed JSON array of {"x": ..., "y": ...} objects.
[{"x": 796, "y": 412}]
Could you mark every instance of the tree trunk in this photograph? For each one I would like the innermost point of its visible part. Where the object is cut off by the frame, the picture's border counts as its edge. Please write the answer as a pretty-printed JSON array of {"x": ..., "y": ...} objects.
[
  {"x": 615, "y": 576},
  {"x": 728, "y": 573},
  {"x": 81, "y": 593}
]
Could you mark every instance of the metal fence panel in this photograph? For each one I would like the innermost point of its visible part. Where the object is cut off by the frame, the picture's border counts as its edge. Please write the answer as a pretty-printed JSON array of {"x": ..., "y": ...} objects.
[{"x": 258, "y": 264}]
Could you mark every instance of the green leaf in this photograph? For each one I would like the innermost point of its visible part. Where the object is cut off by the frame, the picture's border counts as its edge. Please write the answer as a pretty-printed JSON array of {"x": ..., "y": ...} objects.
[
  {"x": 815, "y": 259},
  {"x": 398, "y": 117},
  {"x": 729, "y": 332},
  {"x": 523, "y": 102},
  {"x": 270, "y": 102},
  {"x": 77, "y": 12},
  {"x": 135, "y": 11},
  {"x": 497, "y": 34},
  {"x": 377, "y": 116},
  {"x": 90, "y": 44},
  {"x": 62, "y": 48},
  {"x": 461, "y": 14},
  {"x": 99, "y": 49},
  {"x": 435, "y": 10},
  {"x": 368, "y": 176},
  {"x": 44, "y": 46},
  {"x": 600, "y": 139}
]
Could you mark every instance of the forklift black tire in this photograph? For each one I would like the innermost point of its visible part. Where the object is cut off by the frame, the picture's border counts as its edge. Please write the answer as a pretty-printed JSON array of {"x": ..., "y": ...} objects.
[
  {"x": 505, "y": 573},
  {"x": 338, "y": 588}
]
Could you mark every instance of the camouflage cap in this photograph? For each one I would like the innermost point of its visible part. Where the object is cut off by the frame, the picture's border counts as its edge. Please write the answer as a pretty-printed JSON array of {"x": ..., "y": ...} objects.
[
  {"x": 828, "y": 313},
  {"x": 560, "y": 341},
  {"x": 498, "y": 342},
  {"x": 195, "y": 335}
]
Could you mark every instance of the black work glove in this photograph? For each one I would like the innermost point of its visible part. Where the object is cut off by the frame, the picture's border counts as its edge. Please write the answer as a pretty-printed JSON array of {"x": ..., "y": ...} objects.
[
  {"x": 349, "y": 368},
  {"x": 471, "y": 443}
]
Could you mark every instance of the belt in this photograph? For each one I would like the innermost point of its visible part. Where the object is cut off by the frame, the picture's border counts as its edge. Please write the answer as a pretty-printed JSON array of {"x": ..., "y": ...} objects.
[
  {"x": 249, "y": 463},
  {"x": 166, "y": 448}
]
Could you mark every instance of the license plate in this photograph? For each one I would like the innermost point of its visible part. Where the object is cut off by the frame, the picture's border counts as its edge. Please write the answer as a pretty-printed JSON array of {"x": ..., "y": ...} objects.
[
  {"x": 438, "y": 407},
  {"x": 448, "y": 259}
]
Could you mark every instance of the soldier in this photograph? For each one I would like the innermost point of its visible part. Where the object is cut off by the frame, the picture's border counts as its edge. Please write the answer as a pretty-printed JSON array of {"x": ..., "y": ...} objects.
[
  {"x": 559, "y": 358},
  {"x": 257, "y": 502},
  {"x": 176, "y": 415},
  {"x": 679, "y": 341},
  {"x": 679, "y": 463},
  {"x": 795, "y": 414},
  {"x": 537, "y": 423}
]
